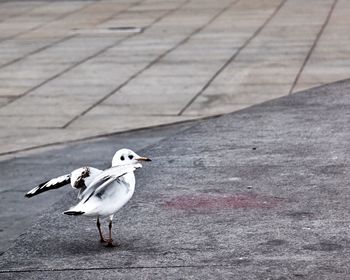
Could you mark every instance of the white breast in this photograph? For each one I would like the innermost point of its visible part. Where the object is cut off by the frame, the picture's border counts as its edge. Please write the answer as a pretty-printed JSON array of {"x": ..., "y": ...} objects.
[{"x": 115, "y": 197}]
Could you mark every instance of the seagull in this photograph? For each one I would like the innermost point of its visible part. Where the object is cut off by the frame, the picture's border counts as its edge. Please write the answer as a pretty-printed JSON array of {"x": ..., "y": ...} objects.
[{"x": 101, "y": 192}]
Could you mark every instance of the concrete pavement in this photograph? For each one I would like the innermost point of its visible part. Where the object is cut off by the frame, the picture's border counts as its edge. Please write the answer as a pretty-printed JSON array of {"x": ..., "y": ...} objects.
[
  {"x": 76, "y": 69},
  {"x": 258, "y": 194},
  {"x": 17, "y": 213}
]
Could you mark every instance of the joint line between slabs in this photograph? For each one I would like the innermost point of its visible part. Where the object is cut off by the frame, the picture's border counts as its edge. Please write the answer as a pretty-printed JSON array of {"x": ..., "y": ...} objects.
[
  {"x": 77, "y": 63},
  {"x": 183, "y": 41},
  {"x": 113, "y": 268},
  {"x": 101, "y": 136},
  {"x": 21, "y": 14},
  {"x": 45, "y": 23},
  {"x": 134, "y": 75},
  {"x": 232, "y": 58},
  {"x": 308, "y": 56},
  {"x": 61, "y": 40}
]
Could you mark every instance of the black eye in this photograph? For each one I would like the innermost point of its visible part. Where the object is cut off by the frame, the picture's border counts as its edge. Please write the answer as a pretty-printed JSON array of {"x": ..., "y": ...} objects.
[
  {"x": 122, "y": 158},
  {"x": 131, "y": 156}
]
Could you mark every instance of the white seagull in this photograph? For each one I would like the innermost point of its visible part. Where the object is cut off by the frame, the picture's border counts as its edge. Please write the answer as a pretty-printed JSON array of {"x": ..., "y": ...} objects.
[{"x": 102, "y": 193}]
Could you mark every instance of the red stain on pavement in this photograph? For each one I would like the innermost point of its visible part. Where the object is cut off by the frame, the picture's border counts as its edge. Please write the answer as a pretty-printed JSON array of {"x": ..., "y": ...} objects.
[{"x": 227, "y": 201}]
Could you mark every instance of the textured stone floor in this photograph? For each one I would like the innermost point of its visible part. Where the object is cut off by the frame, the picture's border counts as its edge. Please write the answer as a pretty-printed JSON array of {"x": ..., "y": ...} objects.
[
  {"x": 77, "y": 69},
  {"x": 258, "y": 194}
]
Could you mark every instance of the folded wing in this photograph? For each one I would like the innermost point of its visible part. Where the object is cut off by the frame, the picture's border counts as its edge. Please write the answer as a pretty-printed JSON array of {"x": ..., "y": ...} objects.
[{"x": 103, "y": 180}]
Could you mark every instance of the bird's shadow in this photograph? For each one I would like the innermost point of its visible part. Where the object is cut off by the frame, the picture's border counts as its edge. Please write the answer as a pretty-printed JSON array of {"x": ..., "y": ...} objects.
[
  {"x": 86, "y": 246},
  {"x": 81, "y": 247}
]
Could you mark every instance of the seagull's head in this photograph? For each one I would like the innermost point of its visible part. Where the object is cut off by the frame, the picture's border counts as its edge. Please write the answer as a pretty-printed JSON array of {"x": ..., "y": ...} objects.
[{"x": 126, "y": 157}]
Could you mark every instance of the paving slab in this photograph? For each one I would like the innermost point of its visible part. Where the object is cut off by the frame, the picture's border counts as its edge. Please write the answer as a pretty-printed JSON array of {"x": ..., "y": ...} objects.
[
  {"x": 38, "y": 17},
  {"x": 261, "y": 193},
  {"x": 16, "y": 9},
  {"x": 274, "y": 56},
  {"x": 328, "y": 60},
  {"x": 176, "y": 59}
]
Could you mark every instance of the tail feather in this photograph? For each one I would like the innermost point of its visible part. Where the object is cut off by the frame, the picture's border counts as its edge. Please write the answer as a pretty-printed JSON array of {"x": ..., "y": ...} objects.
[{"x": 73, "y": 213}]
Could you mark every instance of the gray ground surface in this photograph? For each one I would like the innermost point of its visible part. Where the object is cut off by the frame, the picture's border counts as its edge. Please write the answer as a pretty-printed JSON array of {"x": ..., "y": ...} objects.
[
  {"x": 22, "y": 172},
  {"x": 259, "y": 194}
]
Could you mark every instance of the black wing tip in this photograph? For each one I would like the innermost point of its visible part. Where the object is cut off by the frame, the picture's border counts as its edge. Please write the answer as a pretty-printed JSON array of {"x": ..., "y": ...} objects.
[
  {"x": 73, "y": 213},
  {"x": 32, "y": 192}
]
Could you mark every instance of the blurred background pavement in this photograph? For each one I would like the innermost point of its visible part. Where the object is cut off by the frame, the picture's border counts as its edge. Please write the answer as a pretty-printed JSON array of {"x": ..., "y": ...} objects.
[{"x": 77, "y": 69}]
